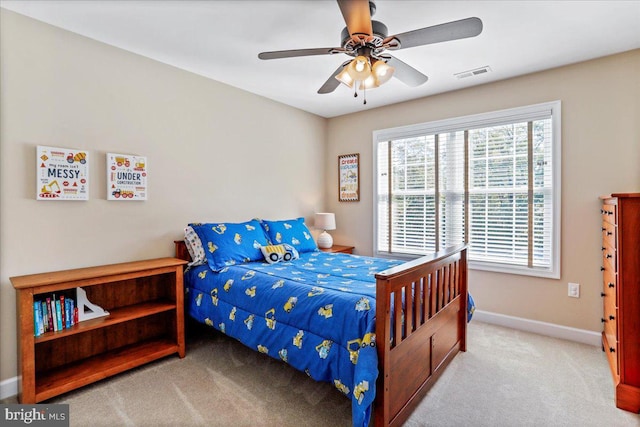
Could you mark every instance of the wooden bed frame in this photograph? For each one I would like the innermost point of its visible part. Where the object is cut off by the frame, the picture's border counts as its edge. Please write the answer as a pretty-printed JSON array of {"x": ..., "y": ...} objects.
[{"x": 414, "y": 353}]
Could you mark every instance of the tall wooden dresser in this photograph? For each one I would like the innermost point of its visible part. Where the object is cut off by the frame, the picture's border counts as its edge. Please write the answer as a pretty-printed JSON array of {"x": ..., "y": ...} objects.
[{"x": 621, "y": 294}]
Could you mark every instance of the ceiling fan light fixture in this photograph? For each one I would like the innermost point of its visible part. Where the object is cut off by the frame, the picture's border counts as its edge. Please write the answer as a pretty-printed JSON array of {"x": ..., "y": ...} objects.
[
  {"x": 359, "y": 68},
  {"x": 369, "y": 83},
  {"x": 382, "y": 72},
  {"x": 344, "y": 77}
]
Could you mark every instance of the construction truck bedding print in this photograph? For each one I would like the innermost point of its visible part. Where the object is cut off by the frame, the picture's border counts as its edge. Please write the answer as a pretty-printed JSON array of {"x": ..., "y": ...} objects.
[{"x": 316, "y": 313}]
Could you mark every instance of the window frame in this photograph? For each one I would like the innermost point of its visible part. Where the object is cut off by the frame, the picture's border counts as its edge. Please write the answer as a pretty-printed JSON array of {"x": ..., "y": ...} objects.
[{"x": 493, "y": 118}]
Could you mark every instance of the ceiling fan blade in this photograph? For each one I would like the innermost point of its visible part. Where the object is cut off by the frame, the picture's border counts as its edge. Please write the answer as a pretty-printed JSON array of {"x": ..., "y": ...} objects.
[
  {"x": 332, "y": 83},
  {"x": 406, "y": 73},
  {"x": 464, "y": 28},
  {"x": 300, "y": 52},
  {"x": 357, "y": 16}
]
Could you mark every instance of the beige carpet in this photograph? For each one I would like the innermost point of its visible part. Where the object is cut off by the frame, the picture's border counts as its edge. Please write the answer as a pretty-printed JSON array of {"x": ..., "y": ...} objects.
[{"x": 506, "y": 378}]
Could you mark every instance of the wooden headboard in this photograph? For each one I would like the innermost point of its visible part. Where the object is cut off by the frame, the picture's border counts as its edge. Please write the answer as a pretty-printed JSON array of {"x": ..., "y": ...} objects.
[{"x": 181, "y": 250}]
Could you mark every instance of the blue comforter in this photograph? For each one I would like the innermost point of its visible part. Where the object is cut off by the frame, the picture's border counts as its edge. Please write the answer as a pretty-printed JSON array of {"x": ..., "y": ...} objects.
[{"x": 316, "y": 313}]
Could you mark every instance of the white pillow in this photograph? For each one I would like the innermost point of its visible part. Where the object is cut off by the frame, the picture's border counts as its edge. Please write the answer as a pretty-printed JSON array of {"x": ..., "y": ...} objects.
[{"x": 194, "y": 246}]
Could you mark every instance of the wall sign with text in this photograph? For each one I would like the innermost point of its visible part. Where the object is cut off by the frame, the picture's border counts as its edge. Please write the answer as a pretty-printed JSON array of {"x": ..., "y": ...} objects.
[
  {"x": 62, "y": 174},
  {"x": 349, "y": 176},
  {"x": 126, "y": 177}
]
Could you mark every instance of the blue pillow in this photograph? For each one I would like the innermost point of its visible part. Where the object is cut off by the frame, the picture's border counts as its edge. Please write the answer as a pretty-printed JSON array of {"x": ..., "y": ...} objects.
[
  {"x": 291, "y": 231},
  {"x": 231, "y": 243}
]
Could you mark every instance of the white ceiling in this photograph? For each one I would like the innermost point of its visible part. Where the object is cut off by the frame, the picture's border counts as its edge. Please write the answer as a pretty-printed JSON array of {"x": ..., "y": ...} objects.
[{"x": 221, "y": 40}]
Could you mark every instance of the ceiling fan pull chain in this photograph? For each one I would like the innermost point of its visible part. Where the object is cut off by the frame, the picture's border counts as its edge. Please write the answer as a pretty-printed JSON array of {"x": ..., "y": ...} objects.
[{"x": 364, "y": 94}]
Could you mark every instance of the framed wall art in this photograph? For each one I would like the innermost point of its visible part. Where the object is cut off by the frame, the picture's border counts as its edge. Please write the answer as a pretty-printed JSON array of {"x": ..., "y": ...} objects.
[
  {"x": 126, "y": 177},
  {"x": 349, "y": 178},
  {"x": 62, "y": 174}
]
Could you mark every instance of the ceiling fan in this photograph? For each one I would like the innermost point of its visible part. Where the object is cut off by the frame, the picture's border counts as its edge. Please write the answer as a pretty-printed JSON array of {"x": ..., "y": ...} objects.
[{"x": 367, "y": 41}]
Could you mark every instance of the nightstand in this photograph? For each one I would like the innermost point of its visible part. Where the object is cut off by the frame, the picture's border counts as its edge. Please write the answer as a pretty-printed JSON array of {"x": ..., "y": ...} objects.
[{"x": 339, "y": 248}]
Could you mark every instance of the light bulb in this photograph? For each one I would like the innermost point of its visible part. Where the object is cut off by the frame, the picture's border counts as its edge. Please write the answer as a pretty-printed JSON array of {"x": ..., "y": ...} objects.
[
  {"x": 359, "y": 68},
  {"x": 369, "y": 83},
  {"x": 382, "y": 72}
]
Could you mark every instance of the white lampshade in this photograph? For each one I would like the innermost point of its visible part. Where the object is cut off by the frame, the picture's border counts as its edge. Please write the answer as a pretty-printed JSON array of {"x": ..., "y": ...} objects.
[{"x": 325, "y": 221}]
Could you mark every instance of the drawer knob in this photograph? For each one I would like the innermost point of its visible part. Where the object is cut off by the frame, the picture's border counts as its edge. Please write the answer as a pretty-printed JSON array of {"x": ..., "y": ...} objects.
[
  {"x": 612, "y": 317},
  {"x": 609, "y": 233},
  {"x": 602, "y": 211},
  {"x": 603, "y": 320},
  {"x": 609, "y": 256},
  {"x": 601, "y": 268},
  {"x": 609, "y": 212},
  {"x": 604, "y": 229},
  {"x": 612, "y": 350},
  {"x": 602, "y": 294},
  {"x": 611, "y": 285}
]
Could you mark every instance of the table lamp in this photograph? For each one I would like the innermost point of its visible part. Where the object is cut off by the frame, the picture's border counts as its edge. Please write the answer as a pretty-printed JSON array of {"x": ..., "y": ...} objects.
[{"x": 325, "y": 221}]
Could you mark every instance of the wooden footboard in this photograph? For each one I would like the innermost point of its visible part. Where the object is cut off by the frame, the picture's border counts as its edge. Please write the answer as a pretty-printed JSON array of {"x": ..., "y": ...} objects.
[{"x": 415, "y": 346}]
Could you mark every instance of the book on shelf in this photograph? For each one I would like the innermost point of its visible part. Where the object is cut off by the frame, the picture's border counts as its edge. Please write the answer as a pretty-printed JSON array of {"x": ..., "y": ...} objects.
[
  {"x": 58, "y": 315},
  {"x": 67, "y": 319},
  {"x": 45, "y": 315},
  {"x": 63, "y": 324},
  {"x": 54, "y": 315},
  {"x": 49, "y": 315},
  {"x": 38, "y": 326}
]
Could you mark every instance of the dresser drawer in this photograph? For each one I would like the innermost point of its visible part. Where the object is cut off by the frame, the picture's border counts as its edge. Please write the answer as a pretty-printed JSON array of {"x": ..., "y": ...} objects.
[
  {"x": 609, "y": 284},
  {"x": 610, "y": 316},
  {"x": 608, "y": 213},
  {"x": 611, "y": 351},
  {"x": 609, "y": 258},
  {"x": 609, "y": 234}
]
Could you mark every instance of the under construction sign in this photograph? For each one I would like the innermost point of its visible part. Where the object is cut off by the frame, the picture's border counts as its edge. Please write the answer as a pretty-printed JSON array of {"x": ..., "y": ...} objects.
[
  {"x": 126, "y": 177},
  {"x": 62, "y": 174}
]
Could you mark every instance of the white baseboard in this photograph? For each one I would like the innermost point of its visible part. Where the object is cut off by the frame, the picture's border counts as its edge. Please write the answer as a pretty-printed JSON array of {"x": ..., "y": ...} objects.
[
  {"x": 8, "y": 387},
  {"x": 542, "y": 328}
]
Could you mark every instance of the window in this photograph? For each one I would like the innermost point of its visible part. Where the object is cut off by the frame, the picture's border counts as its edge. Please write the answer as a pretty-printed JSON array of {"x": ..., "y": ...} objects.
[{"x": 490, "y": 180}]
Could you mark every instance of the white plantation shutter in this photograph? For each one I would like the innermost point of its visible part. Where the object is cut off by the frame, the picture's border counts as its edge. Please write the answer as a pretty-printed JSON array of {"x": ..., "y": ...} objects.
[
  {"x": 452, "y": 183},
  {"x": 489, "y": 180}
]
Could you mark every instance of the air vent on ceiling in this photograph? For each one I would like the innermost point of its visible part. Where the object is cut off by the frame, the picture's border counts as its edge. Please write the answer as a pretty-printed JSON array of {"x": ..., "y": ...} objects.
[{"x": 475, "y": 72}]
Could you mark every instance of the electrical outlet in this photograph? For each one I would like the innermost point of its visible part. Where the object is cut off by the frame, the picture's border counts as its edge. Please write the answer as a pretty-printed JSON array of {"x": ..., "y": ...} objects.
[{"x": 574, "y": 290}]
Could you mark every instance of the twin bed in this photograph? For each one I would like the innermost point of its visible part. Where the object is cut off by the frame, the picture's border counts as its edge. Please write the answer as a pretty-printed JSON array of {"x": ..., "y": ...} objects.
[{"x": 380, "y": 330}]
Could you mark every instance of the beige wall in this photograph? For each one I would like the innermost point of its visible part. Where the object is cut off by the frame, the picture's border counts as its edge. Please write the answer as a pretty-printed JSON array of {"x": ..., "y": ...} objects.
[
  {"x": 214, "y": 153},
  {"x": 600, "y": 154}
]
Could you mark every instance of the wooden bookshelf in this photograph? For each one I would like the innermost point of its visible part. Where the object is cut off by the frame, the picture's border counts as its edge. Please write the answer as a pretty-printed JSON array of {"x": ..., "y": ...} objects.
[{"x": 145, "y": 323}]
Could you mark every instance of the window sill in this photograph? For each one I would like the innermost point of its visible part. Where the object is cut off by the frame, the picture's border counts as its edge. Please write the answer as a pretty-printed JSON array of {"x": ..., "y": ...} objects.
[{"x": 485, "y": 266}]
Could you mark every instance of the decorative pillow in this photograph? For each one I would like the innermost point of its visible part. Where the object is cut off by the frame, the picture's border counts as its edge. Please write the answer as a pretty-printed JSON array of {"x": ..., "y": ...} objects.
[
  {"x": 277, "y": 253},
  {"x": 291, "y": 231},
  {"x": 231, "y": 243},
  {"x": 194, "y": 246}
]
